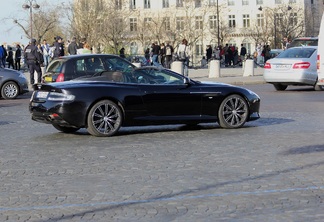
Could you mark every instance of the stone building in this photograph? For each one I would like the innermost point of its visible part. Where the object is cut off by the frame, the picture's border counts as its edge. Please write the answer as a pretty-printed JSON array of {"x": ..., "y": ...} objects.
[{"x": 215, "y": 22}]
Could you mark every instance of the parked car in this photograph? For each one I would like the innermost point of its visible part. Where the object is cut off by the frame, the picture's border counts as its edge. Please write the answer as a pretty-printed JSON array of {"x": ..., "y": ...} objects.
[
  {"x": 147, "y": 96},
  {"x": 294, "y": 66},
  {"x": 320, "y": 55},
  {"x": 303, "y": 41},
  {"x": 12, "y": 83},
  {"x": 75, "y": 66}
]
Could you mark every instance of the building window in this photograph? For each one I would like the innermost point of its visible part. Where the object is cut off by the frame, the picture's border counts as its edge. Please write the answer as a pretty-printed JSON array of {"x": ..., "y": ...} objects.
[
  {"x": 167, "y": 23},
  {"x": 180, "y": 21},
  {"x": 165, "y": 4},
  {"x": 118, "y": 4},
  {"x": 231, "y": 21},
  {"x": 133, "y": 24},
  {"x": 197, "y": 3},
  {"x": 199, "y": 49},
  {"x": 246, "y": 21},
  {"x": 199, "y": 22},
  {"x": 231, "y": 2},
  {"x": 259, "y": 2},
  {"x": 245, "y": 2},
  {"x": 147, "y": 3},
  {"x": 212, "y": 2},
  {"x": 213, "y": 22},
  {"x": 132, "y": 4},
  {"x": 179, "y": 3},
  {"x": 260, "y": 20},
  {"x": 293, "y": 19},
  {"x": 278, "y": 1},
  {"x": 147, "y": 21}
]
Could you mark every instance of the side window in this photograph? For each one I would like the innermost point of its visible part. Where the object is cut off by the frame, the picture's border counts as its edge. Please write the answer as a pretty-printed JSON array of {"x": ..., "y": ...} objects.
[
  {"x": 117, "y": 64},
  {"x": 80, "y": 65},
  {"x": 55, "y": 67},
  {"x": 94, "y": 64}
]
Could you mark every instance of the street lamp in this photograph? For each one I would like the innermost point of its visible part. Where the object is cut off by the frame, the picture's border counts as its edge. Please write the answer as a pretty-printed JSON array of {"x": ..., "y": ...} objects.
[
  {"x": 30, "y": 4},
  {"x": 275, "y": 24}
]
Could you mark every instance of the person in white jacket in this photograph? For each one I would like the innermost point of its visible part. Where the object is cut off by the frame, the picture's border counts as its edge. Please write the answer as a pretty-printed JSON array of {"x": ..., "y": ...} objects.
[{"x": 184, "y": 55}]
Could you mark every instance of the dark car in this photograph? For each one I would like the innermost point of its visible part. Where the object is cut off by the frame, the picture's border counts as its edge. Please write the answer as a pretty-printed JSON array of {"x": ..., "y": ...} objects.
[
  {"x": 146, "y": 96},
  {"x": 12, "y": 83},
  {"x": 75, "y": 66},
  {"x": 303, "y": 41}
]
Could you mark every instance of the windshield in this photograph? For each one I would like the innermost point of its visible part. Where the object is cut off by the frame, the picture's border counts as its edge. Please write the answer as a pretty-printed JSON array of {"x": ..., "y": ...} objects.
[
  {"x": 297, "y": 53},
  {"x": 303, "y": 42}
]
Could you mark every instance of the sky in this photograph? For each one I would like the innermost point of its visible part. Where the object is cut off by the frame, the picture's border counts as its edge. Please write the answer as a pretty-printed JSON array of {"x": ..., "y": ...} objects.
[{"x": 9, "y": 32}]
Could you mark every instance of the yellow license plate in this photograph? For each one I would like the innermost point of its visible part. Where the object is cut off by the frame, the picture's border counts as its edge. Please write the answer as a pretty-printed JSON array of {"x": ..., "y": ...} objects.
[{"x": 48, "y": 79}]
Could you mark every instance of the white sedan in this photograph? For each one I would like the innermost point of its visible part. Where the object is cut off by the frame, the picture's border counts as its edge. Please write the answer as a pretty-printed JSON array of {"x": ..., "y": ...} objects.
[{"x": 294, "y": 66}]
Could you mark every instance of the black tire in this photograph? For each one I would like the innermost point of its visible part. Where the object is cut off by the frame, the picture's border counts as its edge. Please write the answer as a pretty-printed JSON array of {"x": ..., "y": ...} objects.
[
  {"x": 233, "y": 112},
  {"x": 65, "y": 129},
  {"x": 280, "y": 87},
  {"x": 10, "y": 90},
  {"x": 104, "y": 119}
]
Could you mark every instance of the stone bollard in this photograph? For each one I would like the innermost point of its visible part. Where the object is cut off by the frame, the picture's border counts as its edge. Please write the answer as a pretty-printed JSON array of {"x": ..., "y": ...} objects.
[
  {"x": 177, "y": 66},
  {"x": 248, "y": 67},
  {"x": 137, "y": 64},
  {"x": 214, "y": 69}
]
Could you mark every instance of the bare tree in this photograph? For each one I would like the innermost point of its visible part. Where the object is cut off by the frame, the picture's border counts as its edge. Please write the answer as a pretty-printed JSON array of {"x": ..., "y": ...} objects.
[{"x": 45, "y": 20}]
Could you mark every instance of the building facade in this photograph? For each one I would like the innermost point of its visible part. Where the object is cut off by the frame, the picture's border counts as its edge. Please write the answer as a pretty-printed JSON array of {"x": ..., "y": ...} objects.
[{"x": 216, "y": 22}]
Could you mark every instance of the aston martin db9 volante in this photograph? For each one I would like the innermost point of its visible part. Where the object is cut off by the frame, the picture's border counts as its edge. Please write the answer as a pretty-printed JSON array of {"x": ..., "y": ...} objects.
[{"x": 142, "y": 96}]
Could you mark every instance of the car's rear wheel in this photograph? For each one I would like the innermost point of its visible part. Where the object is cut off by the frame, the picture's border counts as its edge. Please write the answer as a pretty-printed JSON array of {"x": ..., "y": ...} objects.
[
  {"x": 233, "y": 112},
  {"x": 10, "y": 90},
  {"x": 65, "y": 129},
  {"x": 280, "y": 87},
  {"x": 104, "y": 118}
]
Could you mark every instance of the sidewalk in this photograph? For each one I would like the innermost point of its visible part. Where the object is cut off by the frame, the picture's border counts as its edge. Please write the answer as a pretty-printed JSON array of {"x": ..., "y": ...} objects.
[{"x": 229, "y": 75}]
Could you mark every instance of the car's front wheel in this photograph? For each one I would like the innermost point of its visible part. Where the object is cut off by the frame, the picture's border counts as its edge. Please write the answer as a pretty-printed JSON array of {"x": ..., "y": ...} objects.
[
  {"x": 233, "y": 112},
  {"x": 10, "y": 90},
  {"x": 65, "y": 129},
  {"x": 280, "y": 87},
  {"x": 104, "y": 118}
]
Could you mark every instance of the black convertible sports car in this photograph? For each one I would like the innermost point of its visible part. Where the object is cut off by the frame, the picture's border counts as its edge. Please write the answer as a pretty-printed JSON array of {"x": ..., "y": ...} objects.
[{"x": 140, "y": 96}]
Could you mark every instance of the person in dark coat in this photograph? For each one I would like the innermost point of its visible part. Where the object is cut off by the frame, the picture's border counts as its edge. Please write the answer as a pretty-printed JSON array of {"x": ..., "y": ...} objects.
[
  {"x": 10, "y": 59},
  {"x": 18, "y": 57},
  {"x": 122, "y": 52},
  {"x": 58, "y": 47},
  {"x": 34, "y": 59},
  {"x": 73, "y": 48}
]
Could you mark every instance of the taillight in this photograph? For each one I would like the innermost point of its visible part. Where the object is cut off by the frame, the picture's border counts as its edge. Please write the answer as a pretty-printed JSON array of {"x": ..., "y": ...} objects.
[
  {"x": 60, "y": 77},
  {"x": 318, "y": 61},
  {"x": 301, "y": 65},
  {"x": 267, "y": 65}
]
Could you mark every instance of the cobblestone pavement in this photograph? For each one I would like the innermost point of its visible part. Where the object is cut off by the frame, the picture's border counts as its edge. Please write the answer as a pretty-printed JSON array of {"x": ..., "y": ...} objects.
[{"x": 270, "y": 170}]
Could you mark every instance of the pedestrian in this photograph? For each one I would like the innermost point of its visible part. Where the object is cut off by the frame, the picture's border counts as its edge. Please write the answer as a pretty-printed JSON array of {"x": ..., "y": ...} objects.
[
  {"x": 17, "y": 57},
  {"x": 209, "y": 52},
  {"x": 225, "y": 51},
  {"x": 10, "y": 59},
  {"x": 122, "y": 53},
  {"x": 156, "y": 52},
  {"x": 73, "y": 48},
  {"x": 147, "y": 56},
  {"x": 46, "y": 50},
  {"x": 86, "y": 49},
  {"x": 168, "y": 55},
  {"x": 162, "y": 55},
  {"x": 5, "y": 54},
  {"x": 34, "y": 59},
  {"x": 58, "y": 47},
  {"x": 183, "y": 55},
  {"x": 1, "y": 55},
  {"x": 242, "y": 53}
]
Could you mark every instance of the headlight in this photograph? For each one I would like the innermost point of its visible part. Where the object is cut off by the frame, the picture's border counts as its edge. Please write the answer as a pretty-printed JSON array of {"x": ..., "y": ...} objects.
[{"x": 55, "y": 96}]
